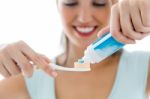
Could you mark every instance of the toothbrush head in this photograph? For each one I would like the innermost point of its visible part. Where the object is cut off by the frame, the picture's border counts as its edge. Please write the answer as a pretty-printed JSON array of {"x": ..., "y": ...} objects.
[{"x": 81, "y": 65}]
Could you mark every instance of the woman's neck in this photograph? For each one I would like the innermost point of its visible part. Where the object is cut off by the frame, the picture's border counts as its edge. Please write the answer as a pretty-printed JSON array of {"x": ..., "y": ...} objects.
[{"x": 73, "y": 54}]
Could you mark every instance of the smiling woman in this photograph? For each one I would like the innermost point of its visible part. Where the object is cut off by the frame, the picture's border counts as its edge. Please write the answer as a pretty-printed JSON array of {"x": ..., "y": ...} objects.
[{"x": 123, "y": 75}]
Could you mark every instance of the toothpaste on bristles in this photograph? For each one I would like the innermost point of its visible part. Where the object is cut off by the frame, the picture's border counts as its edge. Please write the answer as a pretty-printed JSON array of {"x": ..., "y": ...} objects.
[{"x": 81, "y": 64}]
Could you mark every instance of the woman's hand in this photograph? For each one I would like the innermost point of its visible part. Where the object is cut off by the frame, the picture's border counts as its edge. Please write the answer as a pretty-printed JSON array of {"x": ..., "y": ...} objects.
[
  {"x": 129, "y": 20},
  {"x": 18, "y": 56}
]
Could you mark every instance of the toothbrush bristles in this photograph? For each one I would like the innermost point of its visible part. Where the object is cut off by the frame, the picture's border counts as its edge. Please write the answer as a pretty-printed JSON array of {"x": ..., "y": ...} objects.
[{"x": 81, "y": 65}]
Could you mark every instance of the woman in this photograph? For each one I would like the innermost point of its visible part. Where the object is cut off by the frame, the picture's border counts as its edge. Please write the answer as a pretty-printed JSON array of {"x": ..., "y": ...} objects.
[{"x": 120, "y": 76}]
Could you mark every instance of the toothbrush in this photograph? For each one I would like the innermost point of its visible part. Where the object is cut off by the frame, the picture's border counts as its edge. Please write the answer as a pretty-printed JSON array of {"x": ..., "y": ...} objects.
[{"x": 77, "y": 67}]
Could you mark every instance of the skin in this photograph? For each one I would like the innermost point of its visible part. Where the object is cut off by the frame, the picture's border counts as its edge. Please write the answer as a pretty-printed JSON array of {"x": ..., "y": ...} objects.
[
  {"x": 13, "y": 88},
  {"x": 96, "y": 84}
]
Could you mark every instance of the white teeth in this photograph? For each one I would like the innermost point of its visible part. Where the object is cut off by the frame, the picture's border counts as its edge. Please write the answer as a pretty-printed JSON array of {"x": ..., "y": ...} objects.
[{"x": 85, "y": 29}]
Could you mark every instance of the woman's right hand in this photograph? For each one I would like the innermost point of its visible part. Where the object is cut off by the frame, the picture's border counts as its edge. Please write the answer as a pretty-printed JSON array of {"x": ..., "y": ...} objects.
[
  {"x": 19, "y": 57},
  {"x": 129, "y": 21}
]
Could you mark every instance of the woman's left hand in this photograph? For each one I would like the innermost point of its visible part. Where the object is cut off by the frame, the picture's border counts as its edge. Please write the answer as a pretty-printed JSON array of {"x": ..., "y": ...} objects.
[{"x": 129, "y": 21}]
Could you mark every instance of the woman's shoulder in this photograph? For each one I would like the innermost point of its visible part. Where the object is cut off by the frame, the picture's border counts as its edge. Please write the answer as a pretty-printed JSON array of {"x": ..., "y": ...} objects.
[
  {"x": 21, "y": 87},
  {"x": 13, "y": 88}
]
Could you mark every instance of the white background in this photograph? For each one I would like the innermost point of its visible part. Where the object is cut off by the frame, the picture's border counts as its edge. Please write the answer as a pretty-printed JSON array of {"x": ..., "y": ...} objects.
[{"x": 37, "y": 22}]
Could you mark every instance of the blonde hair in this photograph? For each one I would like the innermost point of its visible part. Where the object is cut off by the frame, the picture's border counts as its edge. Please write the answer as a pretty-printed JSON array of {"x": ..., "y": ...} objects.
[{"x": 64, "y": 42}]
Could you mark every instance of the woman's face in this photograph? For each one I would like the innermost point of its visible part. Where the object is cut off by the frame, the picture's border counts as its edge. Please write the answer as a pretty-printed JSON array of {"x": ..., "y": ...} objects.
[{"x": 82, "y": 19}]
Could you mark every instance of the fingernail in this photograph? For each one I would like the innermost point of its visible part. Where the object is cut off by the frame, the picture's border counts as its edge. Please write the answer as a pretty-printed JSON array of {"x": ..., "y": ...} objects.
[{"x": 54, "y": 74}]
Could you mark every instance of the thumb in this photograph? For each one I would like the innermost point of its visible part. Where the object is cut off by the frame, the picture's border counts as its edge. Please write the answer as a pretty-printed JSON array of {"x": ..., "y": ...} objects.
[{"x": 103, "y": 31}]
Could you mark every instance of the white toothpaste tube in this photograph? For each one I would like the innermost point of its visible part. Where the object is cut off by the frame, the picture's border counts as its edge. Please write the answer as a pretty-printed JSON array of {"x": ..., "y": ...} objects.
[{"x": 101, "y": 49}]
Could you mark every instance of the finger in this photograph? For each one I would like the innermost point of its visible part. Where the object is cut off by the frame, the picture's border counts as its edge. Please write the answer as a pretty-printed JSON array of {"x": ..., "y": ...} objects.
[
  {"x": 4, "y": 71},
  {"x": 115, "y": 28},
  {"x": 137, "y": 20},
  {"x": 11, "y": 66},
  {"x": 103, "y": 31},
  {"x": 126, "y": 24},
  {"x": 47, "y": 68},
  {"x": 23, "y": 62},
  {"x": 146, "y": 34},
  {"x": 46, "y": 59},
  {"x": 44, "y": 65},
  {"x": 42, "y": 62},
  {"x": 145, "y": 12},
  {"x": 34, "y": 57},
  {"x": 51, "y": 72}
]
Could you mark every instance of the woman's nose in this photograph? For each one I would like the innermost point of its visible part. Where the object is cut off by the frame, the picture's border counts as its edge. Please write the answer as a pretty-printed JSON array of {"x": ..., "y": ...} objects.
[{"x": 85, "y": 15}]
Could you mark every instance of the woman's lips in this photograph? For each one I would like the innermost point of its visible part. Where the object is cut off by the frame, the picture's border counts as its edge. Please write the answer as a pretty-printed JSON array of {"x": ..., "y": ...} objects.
[{"x": 85, "y": 31}]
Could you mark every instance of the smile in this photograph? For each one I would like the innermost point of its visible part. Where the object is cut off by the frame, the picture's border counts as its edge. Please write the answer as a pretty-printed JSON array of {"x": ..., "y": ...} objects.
[{"x": 85, "y": 31}]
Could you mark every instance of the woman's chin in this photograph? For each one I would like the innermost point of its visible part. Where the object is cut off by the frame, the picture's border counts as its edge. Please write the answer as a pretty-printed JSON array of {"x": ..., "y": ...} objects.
[{"x": 83, "y": 45}]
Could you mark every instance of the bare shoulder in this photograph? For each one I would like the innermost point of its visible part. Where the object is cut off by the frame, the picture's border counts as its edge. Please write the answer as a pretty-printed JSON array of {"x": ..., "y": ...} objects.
[{"x": 13, "y": 88}]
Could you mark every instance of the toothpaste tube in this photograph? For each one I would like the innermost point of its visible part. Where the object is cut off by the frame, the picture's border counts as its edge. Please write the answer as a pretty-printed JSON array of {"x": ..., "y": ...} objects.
[{"x": 101, "y": 49}]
